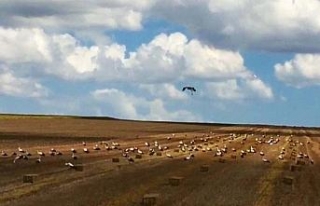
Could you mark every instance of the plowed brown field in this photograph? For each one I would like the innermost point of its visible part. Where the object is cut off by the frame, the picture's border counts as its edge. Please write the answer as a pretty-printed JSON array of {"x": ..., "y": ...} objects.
[{"x": 229, "y": 181}]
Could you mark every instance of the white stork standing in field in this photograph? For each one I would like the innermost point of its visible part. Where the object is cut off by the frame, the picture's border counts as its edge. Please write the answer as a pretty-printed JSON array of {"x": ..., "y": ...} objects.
[
  {"x": 252, "y": 149},
  {"x": 85, "y": 150},
  {"x": 96, "y": 147},
  {"x": 69, "y": 164},
  {"x": 58, "y": 153},
  {"x": 116, "y": 144},
  {"x": 169, "y": 155},
  {"x": 3, "y": 153},
  {"x": 151, "y": 151},
  {"x": 189, "y": 157},
  {"x": 17, "y": 158},
  {"x": 265, "y": 160},
  {"x": 40, "y": 153},
  {"x": 130, "y": 160},
  {"x": 73, "y": 150},
  {"x": 21, "y": 150},
  {"x": 74, "y": 156},
  {"x": 38, "y": 160}
]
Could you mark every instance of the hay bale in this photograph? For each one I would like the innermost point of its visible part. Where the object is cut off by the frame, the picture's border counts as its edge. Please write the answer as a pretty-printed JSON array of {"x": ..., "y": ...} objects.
[
  {"x": 159, "y": 153},
  {"x": 138, "y": 156},
  {"x": 29, "y": 178},
  {"x": 204, "y": 168},
  {"x": 78, "y": 167},
  {"x": 115, "y": 159},
  {"x": 295, "y": 168},
  {"x": 175, "y": 180},
  {"x": 150, "y": 199},
  {"x": 288, "y": 180}
]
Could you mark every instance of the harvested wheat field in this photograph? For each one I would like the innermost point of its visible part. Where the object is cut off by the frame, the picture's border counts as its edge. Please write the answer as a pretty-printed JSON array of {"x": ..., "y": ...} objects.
[{"x": 55, "y": 160}]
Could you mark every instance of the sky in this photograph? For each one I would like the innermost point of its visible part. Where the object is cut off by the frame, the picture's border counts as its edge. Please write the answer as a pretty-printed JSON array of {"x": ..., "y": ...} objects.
[{"x": 251, "y": 61}]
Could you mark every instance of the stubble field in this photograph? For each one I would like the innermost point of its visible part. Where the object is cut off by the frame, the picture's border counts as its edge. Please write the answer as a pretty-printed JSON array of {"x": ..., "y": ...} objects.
[{"x": 244, "y": 162}]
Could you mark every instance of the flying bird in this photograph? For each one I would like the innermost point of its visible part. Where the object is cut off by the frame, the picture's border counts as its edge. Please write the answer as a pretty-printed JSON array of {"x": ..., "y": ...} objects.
[{"x": 191, "y": 89}]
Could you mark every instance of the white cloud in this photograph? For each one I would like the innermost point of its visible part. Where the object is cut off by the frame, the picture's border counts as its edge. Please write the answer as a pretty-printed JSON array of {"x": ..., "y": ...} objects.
[
  {"x": 73, "y": 14},
  {"x": 133, "y": 107},
  {"x": 165, "y": 59},
  {"x": 24, "y": 45},
  {"x": 20, "y": 87},
  {"x": 234, "y": 89},
  {"x": 165, "y": 90},
  {"x": 202, "y": 61},
  {"x": 227, "y": 90},
  {"x": 301, "y": 71},
  {"x": 88, "y": 20},
  {"x": 273, "y": 25}
]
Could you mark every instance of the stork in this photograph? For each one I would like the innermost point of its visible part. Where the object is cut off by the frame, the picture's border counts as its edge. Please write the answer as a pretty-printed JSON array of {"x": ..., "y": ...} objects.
[
  {"x": 38, "y": 160},
  {"x": 74, "y": 156},
  {"x": 69, "y": 164},
  {"x": 20, "y": 150},
  {"x": 169, "y": 155},
  {"x": 265, "y": 160},
  {"x": 40, "y": 153},
  {"x": 3, "y": 153},
  {"x": 17, "y": 158},
  {"x": 191, "y": 89},
  {"x": 96, "y": 147}
]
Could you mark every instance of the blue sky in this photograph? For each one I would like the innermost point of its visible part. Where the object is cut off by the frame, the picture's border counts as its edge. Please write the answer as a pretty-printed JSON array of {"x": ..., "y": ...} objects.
[{"x": 250, "y": 61}]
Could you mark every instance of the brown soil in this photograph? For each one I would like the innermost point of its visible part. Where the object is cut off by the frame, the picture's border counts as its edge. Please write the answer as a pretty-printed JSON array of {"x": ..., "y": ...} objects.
[{"x": 240, "y": 181}]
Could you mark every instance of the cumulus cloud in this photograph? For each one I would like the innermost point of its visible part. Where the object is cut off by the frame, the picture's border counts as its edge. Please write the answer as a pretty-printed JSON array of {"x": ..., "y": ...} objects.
[
  {"x": 234, "y": 89},
  {"x": 62, "y": 15},
  {"x": 133, "y": 107},
  {"x": 275, "y": 25},
  {"x": 167, "y": 58},
  {"x": 24, "y": 45},
  {"x": 12, "y": 85},
  {"x": 301, "y": 71},
  {"x": 88, "y": 20},
  {"x": 166, "y": 90}
]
